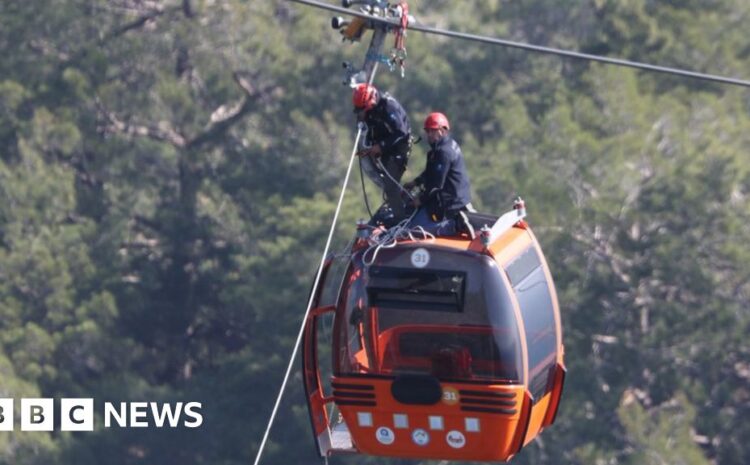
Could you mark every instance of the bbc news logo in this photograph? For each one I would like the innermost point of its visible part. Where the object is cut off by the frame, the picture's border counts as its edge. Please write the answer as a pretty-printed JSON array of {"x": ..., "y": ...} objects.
[{"x": 78, "y": 415}]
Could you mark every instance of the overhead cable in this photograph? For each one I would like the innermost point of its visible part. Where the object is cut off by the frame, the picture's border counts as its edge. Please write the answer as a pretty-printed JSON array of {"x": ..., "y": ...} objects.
[{"x": 533, "y": 48}]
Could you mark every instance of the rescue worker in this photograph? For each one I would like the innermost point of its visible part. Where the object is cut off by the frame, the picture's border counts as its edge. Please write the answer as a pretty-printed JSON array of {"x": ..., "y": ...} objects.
[
  {"x": 446, "y": 195},
  {"x": 388, "y": 143}
]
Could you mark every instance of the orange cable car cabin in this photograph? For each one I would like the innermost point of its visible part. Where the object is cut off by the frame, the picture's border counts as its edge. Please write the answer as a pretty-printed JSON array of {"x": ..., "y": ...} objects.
[{"x": 447, "y": 348}]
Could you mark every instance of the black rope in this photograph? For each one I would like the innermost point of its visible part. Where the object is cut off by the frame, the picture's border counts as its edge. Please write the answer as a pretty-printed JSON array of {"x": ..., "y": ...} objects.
[
  {"x": 364, "y": 190},
  {"x": 533, "y": 48}
]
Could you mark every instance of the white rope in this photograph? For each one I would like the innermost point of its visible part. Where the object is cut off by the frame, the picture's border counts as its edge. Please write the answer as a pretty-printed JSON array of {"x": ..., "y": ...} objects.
[
  {"x": 360, "y": 128},
  {"x": 380, "y": 165},
  {"x": 372, "y": 74},
  {"x": 389, "y": 238},
  {"x": 309, "y": 303}
]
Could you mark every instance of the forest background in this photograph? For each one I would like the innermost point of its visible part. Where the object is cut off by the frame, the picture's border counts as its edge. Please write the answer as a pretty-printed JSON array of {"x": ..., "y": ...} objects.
[{"x": 169, "y": 170}]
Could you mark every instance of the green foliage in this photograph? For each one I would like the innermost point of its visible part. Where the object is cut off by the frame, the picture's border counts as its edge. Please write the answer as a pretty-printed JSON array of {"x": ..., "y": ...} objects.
[
  {"x": 169, "y": 170},
  {"x": 662, "y": 435}
]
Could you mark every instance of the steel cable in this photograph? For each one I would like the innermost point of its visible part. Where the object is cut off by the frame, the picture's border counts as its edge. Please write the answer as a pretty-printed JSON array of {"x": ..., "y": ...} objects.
[
  {"x": 310, "y": 301},
  {"x": 530, "y": 47}
]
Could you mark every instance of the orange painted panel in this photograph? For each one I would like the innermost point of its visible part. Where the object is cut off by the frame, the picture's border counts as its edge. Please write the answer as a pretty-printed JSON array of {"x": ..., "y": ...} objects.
[
  {"x": 538, "y": 412},
  {"x": 510, "y": 245},
  {"x": 467, "y": 424}
]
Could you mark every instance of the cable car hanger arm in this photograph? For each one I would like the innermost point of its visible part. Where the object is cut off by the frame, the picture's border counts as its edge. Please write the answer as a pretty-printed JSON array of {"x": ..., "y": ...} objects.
[{"x": 530, "y": 47}]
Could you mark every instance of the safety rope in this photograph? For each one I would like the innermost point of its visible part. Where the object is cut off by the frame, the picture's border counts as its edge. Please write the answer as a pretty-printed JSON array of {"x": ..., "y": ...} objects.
[
  {"x": 361, "y": 127},
  {"x": 389, "y": 238},
  {"x": 380, "y": 165},
  {"x": 400, "y": 43},
  {"x": 312, "y": 297},
  {"x": 398, "y": 56},
  {"x": 364, "y": 189},
  {"x": 372, "y": 74}
]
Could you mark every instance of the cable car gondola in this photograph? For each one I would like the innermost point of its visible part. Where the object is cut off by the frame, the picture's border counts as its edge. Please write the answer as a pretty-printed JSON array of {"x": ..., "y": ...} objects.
[
  {"x": 449, "y": 348},
  {"x": 442, "y": 348}
]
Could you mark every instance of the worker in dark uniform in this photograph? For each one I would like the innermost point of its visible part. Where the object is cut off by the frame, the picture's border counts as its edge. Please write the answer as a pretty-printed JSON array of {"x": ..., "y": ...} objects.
[
  {"x": 446, "y": 193},
  {"x": 387, "y": 144}
]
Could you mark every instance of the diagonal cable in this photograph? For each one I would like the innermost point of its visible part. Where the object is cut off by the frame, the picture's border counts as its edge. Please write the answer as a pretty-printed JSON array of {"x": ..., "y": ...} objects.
[
  {"x": 532, "y": 48},
  {"x": 310, "y": 301}
]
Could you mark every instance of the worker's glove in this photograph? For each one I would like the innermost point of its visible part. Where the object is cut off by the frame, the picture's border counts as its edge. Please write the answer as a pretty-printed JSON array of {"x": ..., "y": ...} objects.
[
  {"x": 374, "y": 151},
  {"x": 368, "y": 153}
]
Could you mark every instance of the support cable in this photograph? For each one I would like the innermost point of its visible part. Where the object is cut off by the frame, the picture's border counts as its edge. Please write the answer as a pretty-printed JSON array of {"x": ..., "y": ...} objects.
[
  {"x": 310, "y": 301},
  {"x": 530, "y": 47}
]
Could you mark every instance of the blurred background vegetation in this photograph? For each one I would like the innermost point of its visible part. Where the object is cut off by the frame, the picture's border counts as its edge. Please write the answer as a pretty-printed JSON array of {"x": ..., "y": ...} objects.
[{"x": 169, "y": 169}]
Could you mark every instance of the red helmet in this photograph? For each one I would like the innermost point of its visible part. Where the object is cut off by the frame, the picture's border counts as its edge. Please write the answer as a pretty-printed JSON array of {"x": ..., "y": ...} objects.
[
  {"x": 436, "y": 121},
  {"x": 365, "y": 96}
]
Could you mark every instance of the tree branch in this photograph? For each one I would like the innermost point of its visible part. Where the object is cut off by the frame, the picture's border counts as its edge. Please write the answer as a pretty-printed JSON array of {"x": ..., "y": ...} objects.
[
  {"x": 146, "y": 13},
  {"x": 162, "y": 131},
  {"x": 221, "y": 119},
  {"x": 226, "y": 116}
]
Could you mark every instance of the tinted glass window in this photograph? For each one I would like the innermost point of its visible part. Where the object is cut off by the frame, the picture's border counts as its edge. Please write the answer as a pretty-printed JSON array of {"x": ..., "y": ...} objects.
[
  {"x": 433, "y": 290},
  {"x": 532, "y": 291},
  {"x": 454, "y": 322}
]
